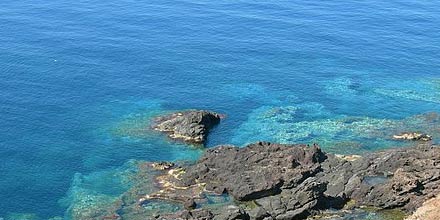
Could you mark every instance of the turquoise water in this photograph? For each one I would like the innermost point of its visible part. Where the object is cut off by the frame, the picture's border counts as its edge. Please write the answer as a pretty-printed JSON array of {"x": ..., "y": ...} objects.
[{"x": 80, "y": 80}]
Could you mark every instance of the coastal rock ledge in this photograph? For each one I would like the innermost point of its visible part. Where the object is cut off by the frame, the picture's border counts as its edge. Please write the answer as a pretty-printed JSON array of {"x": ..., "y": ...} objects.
[
  {"x": 190, "y": 126},
  {"x": 276, "y": 181}
]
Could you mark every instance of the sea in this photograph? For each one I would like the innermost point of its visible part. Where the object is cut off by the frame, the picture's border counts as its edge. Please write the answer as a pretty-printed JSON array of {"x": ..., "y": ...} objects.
[{"x": 81, "y": 80}]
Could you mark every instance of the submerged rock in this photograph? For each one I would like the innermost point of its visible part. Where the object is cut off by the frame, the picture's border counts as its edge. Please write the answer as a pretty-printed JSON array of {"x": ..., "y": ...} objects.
[
  {"x": 343, "y": 135},
  {"x": 413, "y": 136},
  {"x": 190, "y": 126}
]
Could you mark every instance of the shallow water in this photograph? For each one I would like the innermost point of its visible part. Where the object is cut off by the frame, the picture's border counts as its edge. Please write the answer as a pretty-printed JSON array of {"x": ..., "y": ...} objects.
[{"x": 81, "y": 79}]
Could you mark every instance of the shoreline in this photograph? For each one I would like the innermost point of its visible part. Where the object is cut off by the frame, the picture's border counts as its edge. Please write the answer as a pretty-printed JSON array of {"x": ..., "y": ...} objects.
[
  {"x": 275, "y": 181},
  {"x": 380, "y": 180}
]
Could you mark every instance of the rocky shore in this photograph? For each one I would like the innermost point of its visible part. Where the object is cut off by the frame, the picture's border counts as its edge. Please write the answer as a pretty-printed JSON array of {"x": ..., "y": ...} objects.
[
  {"x": 298, "y": 181},
  {"x": 267, "y": 181},
  {"x": 278, "y": 181}
]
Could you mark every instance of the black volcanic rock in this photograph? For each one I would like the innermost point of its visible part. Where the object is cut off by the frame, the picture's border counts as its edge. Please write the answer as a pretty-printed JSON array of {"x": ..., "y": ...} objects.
[
  {"x": 198, "y": 214},
  {"x": 278, "y": 179},
  {"x": 296, "y": 181},
  {"x": 256, "y": 171},
  {"x": 297, "y": 202},
  {"x": 407, "y": 177},
  {"x": 191, "y": 126},
  {"x": 224, "y": 213}
]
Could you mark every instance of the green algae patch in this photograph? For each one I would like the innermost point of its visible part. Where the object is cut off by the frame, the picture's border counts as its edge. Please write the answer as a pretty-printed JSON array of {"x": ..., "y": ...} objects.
[
  {"x": 387, "y": 214},
  {"x": 350, "y": 205},
  {"x": 248, "y": 205},
  {"x": 360, "y": 214}
]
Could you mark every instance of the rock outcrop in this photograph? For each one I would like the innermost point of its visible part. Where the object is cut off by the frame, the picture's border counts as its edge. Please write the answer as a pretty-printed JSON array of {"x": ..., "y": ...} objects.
[
  {"x": 190, "y": 126},
  {"x": 296, "y": 181},
  {"x": 397, "y": 178},
  {"x": 256, "y": 171}
]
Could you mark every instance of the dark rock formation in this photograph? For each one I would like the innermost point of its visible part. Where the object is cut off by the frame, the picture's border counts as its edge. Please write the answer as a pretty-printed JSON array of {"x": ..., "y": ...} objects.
[
  {"x": 190, "y": 126},
  {"x": 401, "y": 178},
  {"x": 256, "y": 171},
  {"x": 295, "y": 181},
  {"x": 198, "y": 214}
]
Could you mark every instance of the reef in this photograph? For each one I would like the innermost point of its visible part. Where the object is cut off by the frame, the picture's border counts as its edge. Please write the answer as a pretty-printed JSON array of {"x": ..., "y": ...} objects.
[
  {"x": 313, "y": 123},
  {"x": 275, "y": 181},
  {"x": 190, "y": 126}
]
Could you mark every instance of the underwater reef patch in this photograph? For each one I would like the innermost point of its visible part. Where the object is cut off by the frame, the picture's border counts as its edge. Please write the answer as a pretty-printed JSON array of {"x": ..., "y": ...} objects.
[{"x": 308, "y": 123}]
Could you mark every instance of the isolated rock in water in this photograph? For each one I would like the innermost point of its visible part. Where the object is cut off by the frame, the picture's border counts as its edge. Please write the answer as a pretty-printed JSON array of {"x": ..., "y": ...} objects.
[
  {"x": 190, "y": 126},
  {"x": 412, "y": 136},
  {"x": 429, "y": 210}
]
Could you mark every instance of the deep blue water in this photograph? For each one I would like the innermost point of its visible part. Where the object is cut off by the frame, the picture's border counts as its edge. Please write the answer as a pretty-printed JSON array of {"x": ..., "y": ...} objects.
[{"x": 80, "y": 79}]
